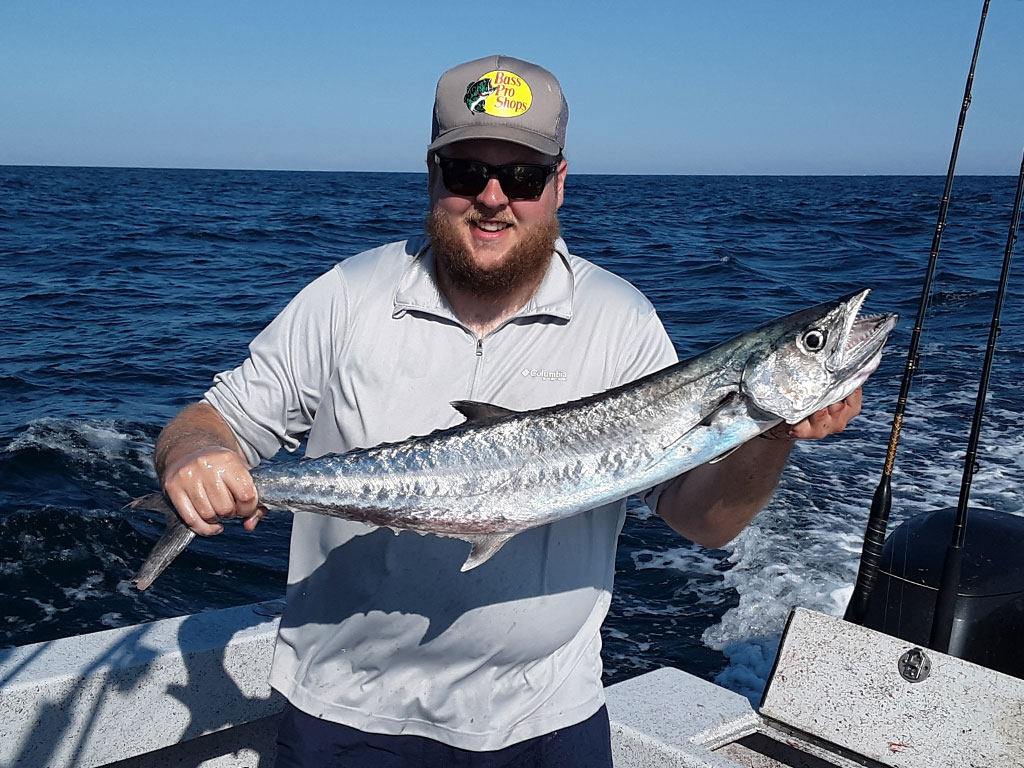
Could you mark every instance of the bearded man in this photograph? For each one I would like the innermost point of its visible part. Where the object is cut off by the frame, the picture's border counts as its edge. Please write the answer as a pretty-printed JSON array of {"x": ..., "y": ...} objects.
[{"x": 387, "y": 654}]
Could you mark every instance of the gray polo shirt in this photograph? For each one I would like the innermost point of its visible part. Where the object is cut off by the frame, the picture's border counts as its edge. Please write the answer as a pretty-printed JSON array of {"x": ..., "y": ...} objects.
[{"x": 382, "y": 632}]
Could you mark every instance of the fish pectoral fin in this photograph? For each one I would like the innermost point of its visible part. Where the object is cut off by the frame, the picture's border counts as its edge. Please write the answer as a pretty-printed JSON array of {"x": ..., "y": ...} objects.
[
  {"x": 176, "y": 537},
  {"x": 724, "y": 404},
  {"x": 476, "y": 412},
  {"x": 720, "y": 406},
  {"x": 484, "y": 547}
]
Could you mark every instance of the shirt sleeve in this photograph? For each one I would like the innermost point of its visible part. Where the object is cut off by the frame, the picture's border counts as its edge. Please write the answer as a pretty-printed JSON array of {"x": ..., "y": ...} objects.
[
  {"x": 269, "y": 401},
  {"x": 650, "y": 350}
]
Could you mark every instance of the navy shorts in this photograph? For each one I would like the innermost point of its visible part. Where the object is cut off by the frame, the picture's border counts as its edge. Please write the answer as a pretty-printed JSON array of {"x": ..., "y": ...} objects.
[{"x": 304, "y": 741}]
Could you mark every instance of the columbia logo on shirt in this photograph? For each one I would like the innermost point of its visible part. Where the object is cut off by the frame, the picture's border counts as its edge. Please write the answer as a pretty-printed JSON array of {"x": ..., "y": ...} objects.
[{"x": 537, "y": 373}]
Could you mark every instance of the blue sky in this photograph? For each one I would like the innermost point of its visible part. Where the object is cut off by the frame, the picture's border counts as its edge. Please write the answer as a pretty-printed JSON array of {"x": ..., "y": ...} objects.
[{"x": 677, "y": 87}]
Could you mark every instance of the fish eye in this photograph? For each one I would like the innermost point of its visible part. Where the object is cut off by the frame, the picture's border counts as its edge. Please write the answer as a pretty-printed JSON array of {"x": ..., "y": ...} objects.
[{"x": 815, "y": 339}]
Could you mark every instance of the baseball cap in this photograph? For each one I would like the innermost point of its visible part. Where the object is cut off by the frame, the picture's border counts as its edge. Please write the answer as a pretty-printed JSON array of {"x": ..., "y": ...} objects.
[{"x": 499, "y": 97}]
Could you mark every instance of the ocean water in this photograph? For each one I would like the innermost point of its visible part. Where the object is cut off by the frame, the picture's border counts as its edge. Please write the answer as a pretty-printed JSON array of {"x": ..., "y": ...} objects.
[{"x": 125, "y": 290}]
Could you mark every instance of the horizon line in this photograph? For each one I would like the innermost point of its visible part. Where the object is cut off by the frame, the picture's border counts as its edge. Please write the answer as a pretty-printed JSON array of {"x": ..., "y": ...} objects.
[{"x": 423, "y": 173}]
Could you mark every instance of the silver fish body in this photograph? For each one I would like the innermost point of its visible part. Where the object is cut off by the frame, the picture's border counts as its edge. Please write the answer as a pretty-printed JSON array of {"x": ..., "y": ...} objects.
[{"x": 502, "y": 472}]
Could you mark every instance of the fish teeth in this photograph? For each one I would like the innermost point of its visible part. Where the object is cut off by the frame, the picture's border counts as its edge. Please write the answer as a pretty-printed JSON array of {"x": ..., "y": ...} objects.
[{"x": 863, "y": 329}]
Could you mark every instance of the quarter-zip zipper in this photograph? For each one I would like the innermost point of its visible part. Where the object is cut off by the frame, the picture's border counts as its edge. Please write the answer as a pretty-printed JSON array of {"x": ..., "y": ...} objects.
[
  {"x": 478, "y": 370},
  {"x": 478, "y": 373}
]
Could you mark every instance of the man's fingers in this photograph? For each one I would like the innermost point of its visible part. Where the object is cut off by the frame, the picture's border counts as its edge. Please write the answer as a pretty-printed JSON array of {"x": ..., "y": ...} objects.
[
  {"x": 852, "y": 403},
  {"x": 829, "y": 420},
  {"x": 221, "y": 504},
  {"x": 243, "y": 493},
  {"x": 214, "y": 479},
  {"x": 187, "y": 511},
  {"x": 252, "y": 521}
]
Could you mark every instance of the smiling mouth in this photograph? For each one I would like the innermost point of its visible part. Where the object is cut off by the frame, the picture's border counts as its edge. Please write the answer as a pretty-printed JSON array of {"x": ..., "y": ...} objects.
[{"x": 491, "y": 226}]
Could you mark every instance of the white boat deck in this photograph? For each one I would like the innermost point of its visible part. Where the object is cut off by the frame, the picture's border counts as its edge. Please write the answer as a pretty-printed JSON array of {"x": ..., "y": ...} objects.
[{"x": 192, "y": 691}]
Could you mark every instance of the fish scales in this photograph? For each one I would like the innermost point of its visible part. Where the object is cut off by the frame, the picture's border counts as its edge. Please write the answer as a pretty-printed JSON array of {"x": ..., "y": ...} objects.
[{"x": 564, "y": 455}]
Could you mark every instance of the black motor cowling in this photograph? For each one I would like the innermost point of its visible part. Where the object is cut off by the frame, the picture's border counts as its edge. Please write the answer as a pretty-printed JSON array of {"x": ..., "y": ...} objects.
[{"x": 988, "y": 627}]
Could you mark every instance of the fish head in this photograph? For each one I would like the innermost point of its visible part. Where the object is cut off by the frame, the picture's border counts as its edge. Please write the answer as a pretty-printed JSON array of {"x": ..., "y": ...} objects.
[{"x": 810, "y": 359}]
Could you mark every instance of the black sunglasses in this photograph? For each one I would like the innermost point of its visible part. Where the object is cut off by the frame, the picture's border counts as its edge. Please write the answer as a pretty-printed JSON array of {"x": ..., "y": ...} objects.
[{"x": 520, "y": 181}]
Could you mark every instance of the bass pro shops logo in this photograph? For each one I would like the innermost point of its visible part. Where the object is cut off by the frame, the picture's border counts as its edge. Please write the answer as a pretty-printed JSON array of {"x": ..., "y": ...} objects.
[{"x": 499, "y": 94}]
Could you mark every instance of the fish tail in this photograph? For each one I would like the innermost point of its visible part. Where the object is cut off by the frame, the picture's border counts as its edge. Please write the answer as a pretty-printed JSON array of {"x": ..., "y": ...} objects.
[{"x": 177, "y": 536}]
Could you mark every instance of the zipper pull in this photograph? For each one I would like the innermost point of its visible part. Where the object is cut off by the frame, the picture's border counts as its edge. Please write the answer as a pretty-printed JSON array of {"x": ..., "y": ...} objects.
[{"x": 479, "y": 347}]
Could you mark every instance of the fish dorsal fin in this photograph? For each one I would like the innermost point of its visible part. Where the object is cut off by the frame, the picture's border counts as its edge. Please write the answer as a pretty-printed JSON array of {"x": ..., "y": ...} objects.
[{"x": 475, "y": 411}]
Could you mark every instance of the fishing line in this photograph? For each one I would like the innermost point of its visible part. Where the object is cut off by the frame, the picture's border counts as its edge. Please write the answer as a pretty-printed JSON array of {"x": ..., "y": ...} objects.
[
  {"x": 881, "y": 502},
  {"x": 945, "y": 602}
]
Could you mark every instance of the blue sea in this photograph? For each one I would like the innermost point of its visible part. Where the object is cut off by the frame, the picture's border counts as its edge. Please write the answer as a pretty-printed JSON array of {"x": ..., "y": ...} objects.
[{"x": 124, "y": 290}]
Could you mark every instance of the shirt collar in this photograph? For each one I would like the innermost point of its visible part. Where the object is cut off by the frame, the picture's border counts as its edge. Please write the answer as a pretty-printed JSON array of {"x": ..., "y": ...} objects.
[{"x": 418, "y": 289}]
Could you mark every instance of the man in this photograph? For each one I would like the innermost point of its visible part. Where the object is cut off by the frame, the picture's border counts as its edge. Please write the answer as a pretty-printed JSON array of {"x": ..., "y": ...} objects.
[{"x": 387, "y": 654}]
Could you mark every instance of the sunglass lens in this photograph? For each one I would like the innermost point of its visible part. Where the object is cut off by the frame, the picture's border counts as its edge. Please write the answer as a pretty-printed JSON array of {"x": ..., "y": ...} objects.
[
  {"x": 469, "y": 177},
  {"x": 463, "y": 177},
  {"x": 524, "y": 182}
]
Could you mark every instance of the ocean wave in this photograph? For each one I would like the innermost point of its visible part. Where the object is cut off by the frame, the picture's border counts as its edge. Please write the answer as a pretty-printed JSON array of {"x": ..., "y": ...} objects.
[{"x": 84, "y": 441}]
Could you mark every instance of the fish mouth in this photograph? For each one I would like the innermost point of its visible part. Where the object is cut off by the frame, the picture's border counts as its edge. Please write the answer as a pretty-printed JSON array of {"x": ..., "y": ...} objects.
[
  {"x": 865, "y": 335},
  {"x": 862, "y": 351}
]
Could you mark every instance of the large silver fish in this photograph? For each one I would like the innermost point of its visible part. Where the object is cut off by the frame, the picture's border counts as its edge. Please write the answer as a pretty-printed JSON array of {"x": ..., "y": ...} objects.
[{"x": 502, "y": 472}]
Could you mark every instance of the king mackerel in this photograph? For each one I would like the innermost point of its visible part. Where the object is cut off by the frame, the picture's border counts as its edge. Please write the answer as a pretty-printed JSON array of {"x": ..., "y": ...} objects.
[{"x": 502, "y": 472}]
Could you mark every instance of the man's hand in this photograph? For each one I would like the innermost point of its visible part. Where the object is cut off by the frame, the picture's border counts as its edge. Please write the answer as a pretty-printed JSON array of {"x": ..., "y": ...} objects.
[
  {"x": 210, "y": 485},
  {"x": 822, "y": 423},
  {"x": 200, "y": 465}
]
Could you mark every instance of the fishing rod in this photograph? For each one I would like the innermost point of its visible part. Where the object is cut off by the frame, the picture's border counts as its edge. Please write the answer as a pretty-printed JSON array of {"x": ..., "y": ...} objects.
[
  {"x": 945, "y": 602},
  {"x": 881, "y": 502}
]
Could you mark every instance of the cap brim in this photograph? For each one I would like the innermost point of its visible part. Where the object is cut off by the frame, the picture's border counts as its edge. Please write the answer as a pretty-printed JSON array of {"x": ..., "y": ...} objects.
[{"x": 534, "y": 141}]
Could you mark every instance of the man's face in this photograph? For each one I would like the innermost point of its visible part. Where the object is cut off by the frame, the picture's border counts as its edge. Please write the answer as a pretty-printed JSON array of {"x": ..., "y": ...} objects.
[{"x": 488, "y": 242}]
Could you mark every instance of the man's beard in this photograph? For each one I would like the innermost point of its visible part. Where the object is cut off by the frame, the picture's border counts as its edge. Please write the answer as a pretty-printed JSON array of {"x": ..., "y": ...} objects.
[{"x": 525, "y": 263}]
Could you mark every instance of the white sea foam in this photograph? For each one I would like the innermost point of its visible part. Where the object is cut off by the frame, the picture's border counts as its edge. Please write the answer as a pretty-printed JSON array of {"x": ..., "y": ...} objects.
[
  {"x": 87, "y": 589},
  {"x": 49, "y": 609},
  {"x": 695, "y": 562},
  {"x": 87, "y": 442},
  {"x": 686, "y": 559}
]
